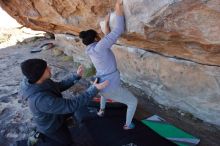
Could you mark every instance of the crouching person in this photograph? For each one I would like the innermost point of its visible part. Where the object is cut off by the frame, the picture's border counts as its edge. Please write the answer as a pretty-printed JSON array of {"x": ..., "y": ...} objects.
[{"x": 46, "y": 102}]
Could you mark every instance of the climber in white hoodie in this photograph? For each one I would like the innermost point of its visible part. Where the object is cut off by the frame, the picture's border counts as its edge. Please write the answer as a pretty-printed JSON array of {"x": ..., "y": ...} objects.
[{"x": 101, "y": 55}]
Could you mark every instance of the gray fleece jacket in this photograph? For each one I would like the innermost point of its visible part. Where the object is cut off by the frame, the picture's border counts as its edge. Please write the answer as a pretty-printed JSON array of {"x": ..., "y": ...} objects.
[
  {"x": 103, "y": 57},
  {"x": 48, "y": 105}
]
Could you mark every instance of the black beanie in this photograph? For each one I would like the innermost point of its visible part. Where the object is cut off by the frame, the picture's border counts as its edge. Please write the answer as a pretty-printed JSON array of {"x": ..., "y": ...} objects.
[
  {"x": 33, "y": 69},
  {"x": 88, "y": 36}
]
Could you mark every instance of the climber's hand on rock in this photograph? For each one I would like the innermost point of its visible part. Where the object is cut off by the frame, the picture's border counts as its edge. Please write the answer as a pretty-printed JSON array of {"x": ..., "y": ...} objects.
[
  {"x": 119, "y": 2},
  {"x": 107, "y": 18},
  {"x": 119, "y": 7}
]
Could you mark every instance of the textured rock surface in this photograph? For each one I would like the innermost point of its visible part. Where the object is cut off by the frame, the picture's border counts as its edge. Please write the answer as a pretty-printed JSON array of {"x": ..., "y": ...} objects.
[
  {"x": 187, "y": 29},
  {"x": 182, "y": 84},
  {"x": 178, "y": 63},
  {"x": 189, "y": 86}
]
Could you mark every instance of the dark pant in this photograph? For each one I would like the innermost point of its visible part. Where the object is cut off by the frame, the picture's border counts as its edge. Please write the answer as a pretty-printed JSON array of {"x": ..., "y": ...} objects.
[{"x": 62, "y": 137}]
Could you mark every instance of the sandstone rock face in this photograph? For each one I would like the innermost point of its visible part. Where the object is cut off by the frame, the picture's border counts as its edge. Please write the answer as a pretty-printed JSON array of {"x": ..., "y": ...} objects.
[
  {"x": 186, "y": 29},
  {"x": 171, "y": 48},
  {"x": 182, "y": 84}
]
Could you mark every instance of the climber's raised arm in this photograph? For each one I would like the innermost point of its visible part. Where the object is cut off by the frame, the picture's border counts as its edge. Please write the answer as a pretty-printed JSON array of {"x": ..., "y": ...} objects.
[{"x": 111, "y": 36}]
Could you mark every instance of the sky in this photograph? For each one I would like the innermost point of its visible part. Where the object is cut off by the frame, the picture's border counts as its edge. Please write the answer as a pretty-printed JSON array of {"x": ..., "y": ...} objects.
[{"x": 7, "y": 21}]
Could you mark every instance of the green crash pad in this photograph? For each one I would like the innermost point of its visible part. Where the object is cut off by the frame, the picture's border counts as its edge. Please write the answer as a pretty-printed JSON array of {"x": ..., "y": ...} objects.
[{"x": 170, "y": 132}]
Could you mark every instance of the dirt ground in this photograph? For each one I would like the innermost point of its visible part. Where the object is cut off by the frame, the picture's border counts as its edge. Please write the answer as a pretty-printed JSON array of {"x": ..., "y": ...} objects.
[{"x": 16, "y": 120}]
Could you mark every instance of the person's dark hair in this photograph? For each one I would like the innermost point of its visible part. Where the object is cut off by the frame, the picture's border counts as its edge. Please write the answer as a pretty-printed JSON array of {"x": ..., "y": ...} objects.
[
  {"x": 33, "y": 69},
  {"x": 88, "y": 36}
]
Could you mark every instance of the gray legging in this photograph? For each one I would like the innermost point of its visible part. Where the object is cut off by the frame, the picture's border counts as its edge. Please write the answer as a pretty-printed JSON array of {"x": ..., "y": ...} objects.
[{"x": 121, "y": 95}]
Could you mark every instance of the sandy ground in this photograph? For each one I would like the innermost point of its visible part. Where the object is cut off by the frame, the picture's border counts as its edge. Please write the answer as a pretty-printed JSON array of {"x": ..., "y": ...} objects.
[{"x": 16, "y": 120}]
